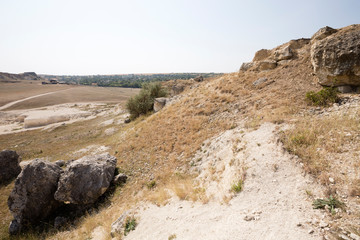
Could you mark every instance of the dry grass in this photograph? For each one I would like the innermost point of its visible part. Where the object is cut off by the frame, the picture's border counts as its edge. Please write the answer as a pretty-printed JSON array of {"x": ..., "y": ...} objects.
[{"x": 314, "y": 138}]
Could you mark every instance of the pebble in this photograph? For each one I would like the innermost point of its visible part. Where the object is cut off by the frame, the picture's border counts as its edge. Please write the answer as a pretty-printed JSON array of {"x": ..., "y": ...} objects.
[
  {"x": 331, "y": 180},
  {"x": 323, "y": 224},
  {"x": 311, "y": 231},
  {"x": 354, "y": 236}
]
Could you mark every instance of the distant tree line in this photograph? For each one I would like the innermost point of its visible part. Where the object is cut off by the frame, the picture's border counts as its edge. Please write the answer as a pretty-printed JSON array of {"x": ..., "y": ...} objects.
[{"x": 126, "y": 80}]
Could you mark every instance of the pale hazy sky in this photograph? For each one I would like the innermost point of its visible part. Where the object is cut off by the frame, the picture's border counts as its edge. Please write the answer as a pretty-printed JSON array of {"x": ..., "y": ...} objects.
[{"x": 138, "y": 36}]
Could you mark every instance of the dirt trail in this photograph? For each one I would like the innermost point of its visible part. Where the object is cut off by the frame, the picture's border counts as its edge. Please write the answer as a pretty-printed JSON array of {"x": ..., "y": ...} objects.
[
  {"x": 273, "y": 204},
  {"x": 28, "y": 98}
]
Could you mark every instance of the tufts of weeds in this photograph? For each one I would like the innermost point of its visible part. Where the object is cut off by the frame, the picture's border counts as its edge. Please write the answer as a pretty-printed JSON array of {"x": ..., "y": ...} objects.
[
  {"x": 172, "y": 237},
  {"x": 324, "y": 97},
  {"x": 238, "y": 186},
  {"x": 331, "y": 202},
  {"x": 130, "y": 225},
  {"x": 151, "y": 184}
]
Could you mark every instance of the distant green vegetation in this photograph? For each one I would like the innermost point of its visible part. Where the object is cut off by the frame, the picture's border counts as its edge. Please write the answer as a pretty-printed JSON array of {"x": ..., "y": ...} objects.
[{"x": 126, "y": 80}]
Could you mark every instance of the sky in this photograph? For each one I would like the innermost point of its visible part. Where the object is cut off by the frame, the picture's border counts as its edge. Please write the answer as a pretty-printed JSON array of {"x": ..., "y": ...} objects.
[{"x": 86, "y": 37}]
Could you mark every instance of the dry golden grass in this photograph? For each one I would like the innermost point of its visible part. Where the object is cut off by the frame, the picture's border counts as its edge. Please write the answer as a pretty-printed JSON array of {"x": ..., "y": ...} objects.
[{"x": 313, "y": 138}]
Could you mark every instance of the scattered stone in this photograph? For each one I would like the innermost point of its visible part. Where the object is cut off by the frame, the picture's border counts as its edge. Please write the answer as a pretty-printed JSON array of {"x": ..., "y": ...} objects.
[
  {"x": 354, "y": 236},
  {"x": 344, "y": 237},
  {"x": 311, "y": 231},
  {"x": 336, "y": 58},
  {"x": 345, "y": 89},
  {"x": 120, "y": 179},
  {"x": 32, "y": 198},
  {"x": 60, "y": 222},
  {"x": 246, "y": 66},
  {"x": 127, "y": 120},
  {"x": 323, "y": 224},
  {"x": 249, "y": 218},
  {"x": 60, "y": 163},
  {"x": 331, "y": 180},
  {"x": 159, "y": 103},
  {"x": 199, "y": 79},
  {"x": 260, "y": 81},
  {"x": 119, "y": 224},
  {"x": 9, "y": 165},
  {"x": 86, "y": 179}
]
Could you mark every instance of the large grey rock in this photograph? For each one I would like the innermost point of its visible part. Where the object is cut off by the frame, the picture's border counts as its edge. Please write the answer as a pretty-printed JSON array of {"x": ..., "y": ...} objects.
[
  {"x": 260, "y": 81},
  {"x": 86, "y": 179},
  {"x": 9, "y": 165},
  {"x": 246, "y": 66},
  {"x": 159, "y": 103},
  {"x": 284, "y": 53},
  {"x": 32, "y": 198},
  {"x": 336, "y": 58},
  {"x": 323, "y": 33}
]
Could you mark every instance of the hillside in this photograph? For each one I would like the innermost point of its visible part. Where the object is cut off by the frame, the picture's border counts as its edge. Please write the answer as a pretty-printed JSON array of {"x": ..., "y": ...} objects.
[
  {"x": 10, "y": 77},
  {"x": 240, "y": 156}
]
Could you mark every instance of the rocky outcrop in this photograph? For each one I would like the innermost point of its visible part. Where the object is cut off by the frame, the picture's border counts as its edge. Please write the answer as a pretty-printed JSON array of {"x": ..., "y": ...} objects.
[
  {"x": 265, "y": 60},
  {"x": 335, "y": 56},
  {"x": 159, "y": 103},
  {"x": 323, "y": 33},
  {"x": 9, "y": 165},
  {"x": 86, "y": 179},
  {"x": 32, "y": 198}
]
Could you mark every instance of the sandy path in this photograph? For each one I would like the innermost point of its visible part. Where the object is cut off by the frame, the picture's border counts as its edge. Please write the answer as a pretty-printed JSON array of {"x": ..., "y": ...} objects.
[
  {"x": 273, "y": 205},
  {"x": 28, "y": 98}
]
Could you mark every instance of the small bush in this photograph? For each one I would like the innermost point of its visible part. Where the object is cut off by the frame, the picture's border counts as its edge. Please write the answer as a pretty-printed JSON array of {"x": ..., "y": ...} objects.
[
  {"x": 331, "y": 202},
  {"x": 144, "y": 101},
  {"x": 237, "y": 187},
  {"x": 151, "y": 184},
  {"x": 324, "y": 97},
  {"x": 130, "y": 225}
]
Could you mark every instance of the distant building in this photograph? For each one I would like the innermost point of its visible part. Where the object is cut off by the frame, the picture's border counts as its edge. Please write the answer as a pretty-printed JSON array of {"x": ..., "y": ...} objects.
[{"x": 53, "y": 81}]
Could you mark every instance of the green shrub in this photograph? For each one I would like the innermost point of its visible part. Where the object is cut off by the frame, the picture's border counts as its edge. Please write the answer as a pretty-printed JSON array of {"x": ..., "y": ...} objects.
[
  {"x": 151, "y": 184},
  {"x": 130, "y": 225},
  {"x": 324, "y": 97},
  {"x": 143, "y": 102},
  {"x": 237, "y": 187},
  {"x": 332, "y": 202}
]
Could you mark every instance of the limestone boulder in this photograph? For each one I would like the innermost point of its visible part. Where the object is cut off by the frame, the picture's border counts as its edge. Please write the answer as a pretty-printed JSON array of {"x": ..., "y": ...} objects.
[
  {"x": 86, "y": 179},
  {"x": 336, "y": 57},
  {"x": 9, "y": 165},
  {"x": 246, "y": 66},
  {"x": 159, "y": 103},
  {"x": 32, "y": 198},
  {"x": 284, "y": 53}
]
